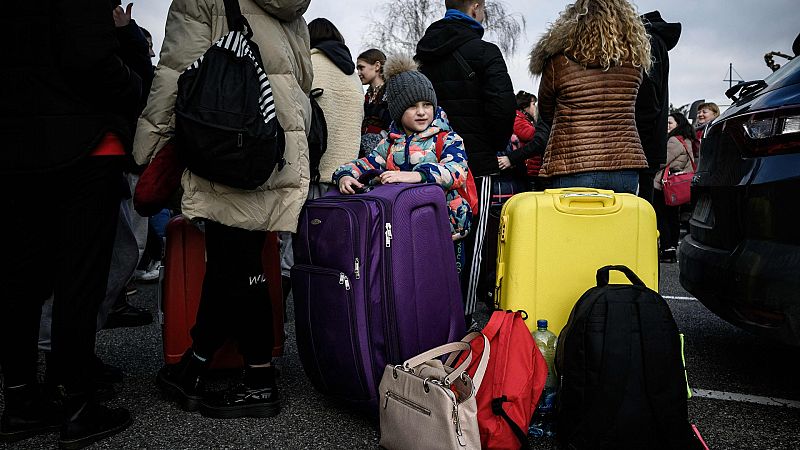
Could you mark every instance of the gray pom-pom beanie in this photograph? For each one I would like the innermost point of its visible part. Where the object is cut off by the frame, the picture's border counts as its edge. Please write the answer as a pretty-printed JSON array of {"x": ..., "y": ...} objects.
[{"x": 405, "y": 86}]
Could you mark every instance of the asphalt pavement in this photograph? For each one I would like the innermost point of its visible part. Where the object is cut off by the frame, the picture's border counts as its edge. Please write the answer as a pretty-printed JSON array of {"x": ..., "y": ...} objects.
[{"x": 721, "y": 360}]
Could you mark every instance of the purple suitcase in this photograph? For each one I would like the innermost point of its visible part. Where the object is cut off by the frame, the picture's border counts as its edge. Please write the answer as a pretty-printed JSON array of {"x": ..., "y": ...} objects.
[{"x": 374, "y": 283}]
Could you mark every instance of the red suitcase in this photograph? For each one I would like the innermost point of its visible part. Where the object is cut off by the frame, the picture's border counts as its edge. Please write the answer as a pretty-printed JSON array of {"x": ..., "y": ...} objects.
[{"x": 180, "y": 285}]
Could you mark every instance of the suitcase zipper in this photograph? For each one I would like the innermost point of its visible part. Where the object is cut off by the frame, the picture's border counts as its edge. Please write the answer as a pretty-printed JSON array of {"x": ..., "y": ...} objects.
[
  {"x": 388, "y": 234},
  {"x": 344, "y": 281},
  {"x": 405, "y": 402},
  {"x": 357, "y": 271},
  {"x": 385, "y": 211}
]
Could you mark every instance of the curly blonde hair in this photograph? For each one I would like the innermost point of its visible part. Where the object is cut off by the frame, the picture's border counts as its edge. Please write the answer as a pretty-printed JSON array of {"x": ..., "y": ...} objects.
[{"x": 605, "y": 32}]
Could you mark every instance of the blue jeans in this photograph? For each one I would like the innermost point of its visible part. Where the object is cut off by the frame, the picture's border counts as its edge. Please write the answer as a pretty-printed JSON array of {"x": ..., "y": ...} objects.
[{"x": 623, "y": 181}]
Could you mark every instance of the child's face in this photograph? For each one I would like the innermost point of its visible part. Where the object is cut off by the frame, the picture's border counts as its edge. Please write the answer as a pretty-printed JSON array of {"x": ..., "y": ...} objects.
[
  {"x": 368, "y": 72},
  {"x": 417, "y": 117}
]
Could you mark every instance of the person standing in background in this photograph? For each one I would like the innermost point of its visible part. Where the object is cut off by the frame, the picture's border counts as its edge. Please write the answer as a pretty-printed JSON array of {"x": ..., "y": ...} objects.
[
  {"x": 68, "y": 103},
  {"x": 342, "y": 99},
  {"x": 680, "y": 158},
  {"x": 376, "y": 110},
  {"x": 234, "y": 302},
  {"x": 652, "y": 102},
  {"x": 342, "y": 103},
  {"x": 706, "y": 113},
  {"x": 472, "y": 84},
  {"x": 592, "y": 60}
]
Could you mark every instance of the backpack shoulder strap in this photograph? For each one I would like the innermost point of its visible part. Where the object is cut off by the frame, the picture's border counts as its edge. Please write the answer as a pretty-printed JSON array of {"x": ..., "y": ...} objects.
[
  {"x": 464, "y": 65},
  {"x": 615, "y": 365},
  {"x": 236, "y": 21},
  {"x": 663, "y": 372},
  {"x": 439, "y": 140}
]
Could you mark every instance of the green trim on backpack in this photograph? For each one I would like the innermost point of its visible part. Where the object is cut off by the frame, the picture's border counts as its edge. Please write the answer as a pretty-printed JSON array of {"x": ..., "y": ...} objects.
[{"x": 685, "y": 373}]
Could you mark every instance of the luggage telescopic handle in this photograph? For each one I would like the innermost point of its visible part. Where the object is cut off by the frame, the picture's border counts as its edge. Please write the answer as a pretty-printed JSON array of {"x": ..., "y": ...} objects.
[
  {"x": 603, "y": 275},
  {"x": 585, "y": 201},
  {"x": 588, "y": 197}
]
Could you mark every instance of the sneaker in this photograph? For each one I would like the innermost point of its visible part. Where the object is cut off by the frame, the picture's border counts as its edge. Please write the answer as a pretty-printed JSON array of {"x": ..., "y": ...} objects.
[
  {"x": 88, "y": 422},
  {"x": 30, "y": 410},
  {"x": 182, "y": 382},
  {"x": 247, "y": 399}
]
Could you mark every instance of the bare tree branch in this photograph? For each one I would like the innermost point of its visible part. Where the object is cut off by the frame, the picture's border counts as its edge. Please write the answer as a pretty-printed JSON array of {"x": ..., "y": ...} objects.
[{"x": 403, "y": 23}]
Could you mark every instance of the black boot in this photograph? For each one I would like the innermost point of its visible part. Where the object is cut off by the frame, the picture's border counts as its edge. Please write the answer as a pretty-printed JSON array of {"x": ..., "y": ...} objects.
[
  {"x": 29, "y": 410},
  {"x": 257, "y": 396},
  {"x": 88, "y": 422},
  {"x": 183, "y": 381},
  {"x": 103, "y": 378},
  {"x": 123, "y": 314}
]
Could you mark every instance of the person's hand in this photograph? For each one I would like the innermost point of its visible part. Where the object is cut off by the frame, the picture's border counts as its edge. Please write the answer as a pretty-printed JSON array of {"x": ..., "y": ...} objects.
[
  {"x": 503, "y": 162},
  {"x": 122, "y": 17},
  {"x": 348, "y": 185},
  {"x": 396, "y": 176}
]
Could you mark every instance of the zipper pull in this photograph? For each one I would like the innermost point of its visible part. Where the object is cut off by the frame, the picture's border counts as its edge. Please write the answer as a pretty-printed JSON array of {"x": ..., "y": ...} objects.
[
  {"x": 357, "y": 270},
  {"x": 343, "y": 280},
  {"x": 459, "y": 432},
  {"x": 386, "y": 400},
  {"x": 388, "y": 234}
]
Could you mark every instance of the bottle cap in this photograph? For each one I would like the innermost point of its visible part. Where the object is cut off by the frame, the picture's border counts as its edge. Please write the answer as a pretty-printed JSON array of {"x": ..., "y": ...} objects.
[{"x": 541, "y": 323}]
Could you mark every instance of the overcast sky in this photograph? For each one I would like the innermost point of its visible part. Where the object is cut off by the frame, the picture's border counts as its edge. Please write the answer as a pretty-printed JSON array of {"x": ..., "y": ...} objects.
[{"x": 715, "y": 33}]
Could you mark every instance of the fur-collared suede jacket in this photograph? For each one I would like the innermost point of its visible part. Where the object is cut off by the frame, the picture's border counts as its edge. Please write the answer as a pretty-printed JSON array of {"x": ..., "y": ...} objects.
[{"x": 591, "y": 112}]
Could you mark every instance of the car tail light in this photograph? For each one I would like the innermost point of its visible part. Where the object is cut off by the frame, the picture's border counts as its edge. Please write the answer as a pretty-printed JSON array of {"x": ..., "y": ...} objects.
[{"x": 766, "y": 133}]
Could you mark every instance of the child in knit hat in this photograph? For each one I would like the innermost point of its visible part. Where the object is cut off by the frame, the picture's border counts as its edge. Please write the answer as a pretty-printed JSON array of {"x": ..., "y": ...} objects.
[{"x": 408, "y": 154}]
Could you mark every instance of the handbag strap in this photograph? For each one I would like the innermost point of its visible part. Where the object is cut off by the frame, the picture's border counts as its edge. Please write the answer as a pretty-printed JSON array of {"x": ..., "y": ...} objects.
[
  {"x": 686, "y": 149},
  {"x": 664, "y": 174},
  {"x": 482, "y": 364},
  {"x": 440, "y": 351}
]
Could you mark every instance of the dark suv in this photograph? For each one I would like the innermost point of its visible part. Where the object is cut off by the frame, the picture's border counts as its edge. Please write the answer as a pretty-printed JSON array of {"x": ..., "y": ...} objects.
[{"x": 741, "y": 258}]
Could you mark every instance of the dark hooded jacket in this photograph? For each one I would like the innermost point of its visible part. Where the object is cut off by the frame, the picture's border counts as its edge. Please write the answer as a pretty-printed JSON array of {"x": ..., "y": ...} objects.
[
  {"x": 481, "y": 107},
  {"x": 652, "y": 103},
  {"x": 64, "y": 84}
]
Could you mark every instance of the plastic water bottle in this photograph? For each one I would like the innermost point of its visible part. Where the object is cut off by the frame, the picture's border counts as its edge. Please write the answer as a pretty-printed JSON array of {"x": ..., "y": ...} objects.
[{"x": 543, "y": 421}]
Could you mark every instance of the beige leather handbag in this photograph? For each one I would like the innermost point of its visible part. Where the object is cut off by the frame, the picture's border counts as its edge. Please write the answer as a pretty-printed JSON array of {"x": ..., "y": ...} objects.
[{"x": 425, "y": 404}]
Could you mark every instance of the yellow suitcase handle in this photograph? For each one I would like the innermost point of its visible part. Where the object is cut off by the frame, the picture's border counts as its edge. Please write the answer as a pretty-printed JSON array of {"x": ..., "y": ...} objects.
[{"x": 585, "y": 201}]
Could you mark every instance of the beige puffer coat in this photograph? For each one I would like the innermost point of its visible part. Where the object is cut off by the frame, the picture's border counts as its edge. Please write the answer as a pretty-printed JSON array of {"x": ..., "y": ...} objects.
[
  {"x": 591, "y": 111},
  {"x": 282, "y": 37},
  {"x": 343, "y": 105},
  {"x": 678, "y": 157}
]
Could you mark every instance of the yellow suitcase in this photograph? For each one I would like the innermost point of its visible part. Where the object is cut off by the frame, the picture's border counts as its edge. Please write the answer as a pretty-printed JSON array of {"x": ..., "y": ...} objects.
[{"x": 551, "y": 244}]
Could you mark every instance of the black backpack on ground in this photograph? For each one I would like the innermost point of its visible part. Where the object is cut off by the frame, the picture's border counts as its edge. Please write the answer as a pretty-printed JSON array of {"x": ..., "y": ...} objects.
[
  {"x": 226, "y": 127},
  {"x": 623, "y": 382},
  {"x": 317, "y": 135}
]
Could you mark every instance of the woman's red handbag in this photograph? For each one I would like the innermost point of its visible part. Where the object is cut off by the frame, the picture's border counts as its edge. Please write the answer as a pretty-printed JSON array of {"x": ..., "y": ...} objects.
[
  {"x": 158, "y": 182},
  {"x": 677, "y": 186}
]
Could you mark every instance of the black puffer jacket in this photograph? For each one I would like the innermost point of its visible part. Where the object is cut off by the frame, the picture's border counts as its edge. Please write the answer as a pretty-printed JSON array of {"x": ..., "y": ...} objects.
[
  {"x": 482, "y": 108},
  {"x": 64, "y": 85},
  {"x": 652, "y": 103}
]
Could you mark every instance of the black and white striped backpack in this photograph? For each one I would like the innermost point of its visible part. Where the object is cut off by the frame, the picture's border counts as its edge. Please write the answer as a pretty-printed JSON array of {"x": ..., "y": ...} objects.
[{"x": 226, "y": 128}]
